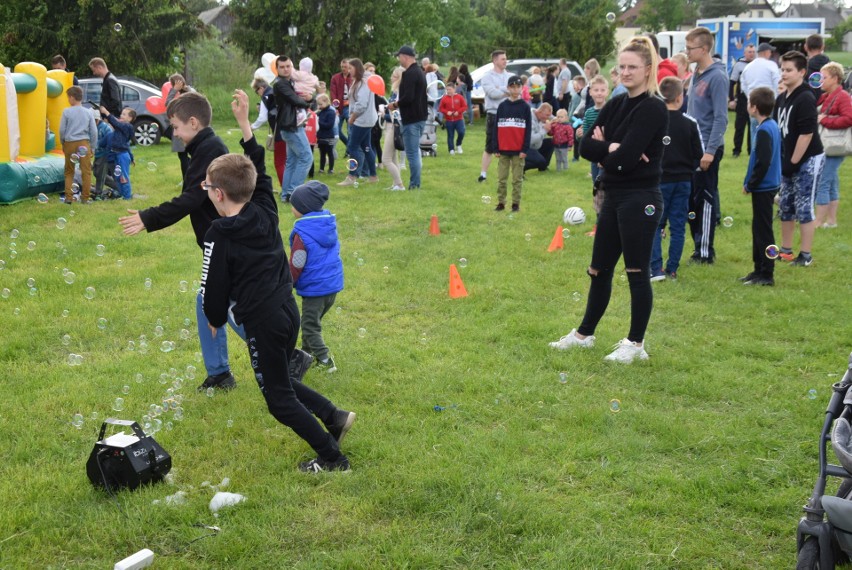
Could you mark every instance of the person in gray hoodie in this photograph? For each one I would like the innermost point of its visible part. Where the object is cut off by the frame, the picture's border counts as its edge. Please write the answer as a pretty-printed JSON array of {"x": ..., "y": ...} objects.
[
  {"x": 362, "y": 117},
  {"x": 708, "y": 104}
]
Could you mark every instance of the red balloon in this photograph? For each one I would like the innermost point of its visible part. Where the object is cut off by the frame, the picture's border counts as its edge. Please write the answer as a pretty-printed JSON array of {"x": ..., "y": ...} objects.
[
  {"x": 167, "y": 86},
  {"x": 155, "y": 105},
  {"x": 376, "y": 84}
]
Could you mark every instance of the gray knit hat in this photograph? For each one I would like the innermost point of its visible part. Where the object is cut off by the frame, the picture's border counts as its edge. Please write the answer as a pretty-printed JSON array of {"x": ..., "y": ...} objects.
[{"x": 309, "y": 197}]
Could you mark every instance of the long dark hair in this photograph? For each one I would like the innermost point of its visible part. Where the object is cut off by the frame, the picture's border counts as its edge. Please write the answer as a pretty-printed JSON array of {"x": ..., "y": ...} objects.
[
  {"x": 357, "y": 69},
  {"x": 464, "y": 72}
]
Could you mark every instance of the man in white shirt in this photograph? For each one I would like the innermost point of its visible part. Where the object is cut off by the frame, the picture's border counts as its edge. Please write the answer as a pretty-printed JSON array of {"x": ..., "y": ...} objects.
[
  {"x": 495, "y": 85},
  {"x": 762, "y": 72}
]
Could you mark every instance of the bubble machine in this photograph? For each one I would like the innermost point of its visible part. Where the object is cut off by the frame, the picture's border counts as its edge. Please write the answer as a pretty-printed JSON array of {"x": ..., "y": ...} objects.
[{"x": 126, "y": 460}]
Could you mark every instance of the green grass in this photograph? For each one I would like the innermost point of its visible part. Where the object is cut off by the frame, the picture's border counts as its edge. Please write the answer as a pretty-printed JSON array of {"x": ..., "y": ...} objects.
[
  {"x": 707, "y": 466},
  {"x": 841, "y": 57}
]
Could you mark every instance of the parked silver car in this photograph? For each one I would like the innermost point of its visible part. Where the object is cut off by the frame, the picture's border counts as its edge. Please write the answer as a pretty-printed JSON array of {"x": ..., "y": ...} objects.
[{"x": 134, "y": 93}]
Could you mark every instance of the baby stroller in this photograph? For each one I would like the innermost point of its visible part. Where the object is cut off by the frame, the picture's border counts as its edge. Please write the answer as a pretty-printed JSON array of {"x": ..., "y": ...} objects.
[
  {"x": 429, "y": 136},
  {"x": 824, "y": 535}
]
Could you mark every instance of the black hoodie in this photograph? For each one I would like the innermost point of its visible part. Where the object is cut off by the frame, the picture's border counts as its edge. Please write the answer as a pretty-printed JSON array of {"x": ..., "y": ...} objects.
[{"x": 245, "y": 268}]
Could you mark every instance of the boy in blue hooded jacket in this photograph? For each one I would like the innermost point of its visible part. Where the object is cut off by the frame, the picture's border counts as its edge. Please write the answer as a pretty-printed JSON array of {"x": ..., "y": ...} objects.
[{"x": 315, "y": 265}]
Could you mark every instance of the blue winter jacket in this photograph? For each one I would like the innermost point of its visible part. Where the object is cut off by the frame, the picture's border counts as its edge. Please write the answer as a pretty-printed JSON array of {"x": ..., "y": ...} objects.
[{"x": 321, "y": 269}]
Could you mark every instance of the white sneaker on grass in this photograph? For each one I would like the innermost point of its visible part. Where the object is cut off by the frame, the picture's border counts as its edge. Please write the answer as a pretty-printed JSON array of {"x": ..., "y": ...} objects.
[
  {"x": 626, "y": 352},
  {"x": 460, "y": 151},
  {"x": 571, "y": 340}
]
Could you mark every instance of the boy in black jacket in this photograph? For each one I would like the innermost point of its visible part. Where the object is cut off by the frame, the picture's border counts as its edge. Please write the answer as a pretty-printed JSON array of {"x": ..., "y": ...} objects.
[
  {"x": 245, "y": 271},
  {"x": 513, "y": 131},
  {"x": 682, "y": 153}
]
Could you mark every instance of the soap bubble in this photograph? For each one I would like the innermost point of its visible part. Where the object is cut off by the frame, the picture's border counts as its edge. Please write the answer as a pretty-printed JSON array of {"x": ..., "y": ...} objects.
[
  {"x": 362, "y": 332},
  {"x": 5, "y": 293},
  {"x": 386, "y": 269},
  {"x": 116, "y": 27},
  {"x": 566, "y": 233},
  {"x": 13, "y": 254},
  {"x": 528, "y": 237},
  {"x": 33, "y": 291},
  {"x": 360, "y": 262},
  {"x": 77, "y": 421},
  {"x": 118, "y": 405},
  {"x": 74, "y": 158},
  {"x": 650, "y": 210},
  {"x": 2, "y": 265},
  {"x": 82, "y": 151},
  {"x": 148, "y": 283},
  {"x": 190, "y": 372},
  {"x": 815, "y": 80},
  {"x": 16, "y": 311},
  {"x": 131, "y": 345},
  {"x": 14, "y": 234},
  {"x": 65, "y": 313},
  {"x": 185, "y": 334},
  {"x": 125, "y": 389},
  {"x": 152, "y": 167},
  {"x": 37, "y": 179},
  {"x": 445, "y": 42},
  {"x": 90, "y": 293},
  {"x": 176, "y": 59},
  {"x": 691, "y": 215},
  {"x": 210, "y": 392},
  {"x": 158, "y": 330},
  {"x": 94, "y": 416},
  {"x": 42, "y": 199},
  {"x": 352, "y": 164},
  {"x": 66, "y": 339},
  {"x": 31, "y": 245},
  {"x": 30, "y": 282},
  {"x": 812, "y": 394},
  {"x": 576, "y": 296},
  {"x": 667, "y": 140},
  {"x": 60, "y": 223},
  {"x": 772, "y": 251},
  {"x": 167, "y": 346},
  {"x": 610, "y": 17},
  {"x": 139, "y": 378},
  {"x": 486, "y": 199},
  {"x": 102, "y": 323},
  {"x": 187, "y": 322},
  {"x": 119, "y": 262},
  {"x": 615, "y": 406},
  {"x": 563, "y": 377},
  {"x": 117, "y": 172},
  {"x": 462, "y": 262},
  {"x": 727, "y": 221},
  {"x": 69, "y": 277},
  {"x": 183, "y": 286},
  {"x": 100, "y": 249},
  {"x": 335, "y": 103},
  {"x": 230, "y": 423},
  {"x": 71, "y": 213},
  {"x": 143, "y": 347}
]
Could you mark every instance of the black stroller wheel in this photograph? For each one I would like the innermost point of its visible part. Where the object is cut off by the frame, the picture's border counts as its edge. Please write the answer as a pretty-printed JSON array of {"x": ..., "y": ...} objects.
[{"x": 809, "y": 555}]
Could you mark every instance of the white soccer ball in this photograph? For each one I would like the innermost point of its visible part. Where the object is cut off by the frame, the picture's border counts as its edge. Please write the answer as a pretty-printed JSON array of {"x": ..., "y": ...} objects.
[{"x": 574, "y": 216}]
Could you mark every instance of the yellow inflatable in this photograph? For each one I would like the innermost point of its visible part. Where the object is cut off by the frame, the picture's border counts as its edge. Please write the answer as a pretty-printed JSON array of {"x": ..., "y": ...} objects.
[{"x": 31, "y": 103}]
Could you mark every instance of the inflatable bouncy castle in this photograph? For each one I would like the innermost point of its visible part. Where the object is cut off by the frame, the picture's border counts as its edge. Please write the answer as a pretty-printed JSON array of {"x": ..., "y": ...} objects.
[{"x": 31, "y": 103}]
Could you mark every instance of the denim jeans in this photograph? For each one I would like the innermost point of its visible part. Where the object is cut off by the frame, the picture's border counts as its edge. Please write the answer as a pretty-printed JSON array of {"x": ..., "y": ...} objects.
[
  {"x": 829, "y": 183},
  {"x": 455, "y": 133},
  {"x": 122, "y": 177},
  {"x": 360, "y": 149},
  {"x": 469, "y": 112},
  {"x": 344, "y": 120},
  {"x": 214, "y": 351},
  {"x": 411, "y": 139},
  {"x": 675, "y": 210},
  {"x": 299, "y": 160}
]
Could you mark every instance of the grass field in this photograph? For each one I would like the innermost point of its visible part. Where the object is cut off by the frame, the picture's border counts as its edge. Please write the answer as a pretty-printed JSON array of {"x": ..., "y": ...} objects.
[{"x": 706, "y": 465}]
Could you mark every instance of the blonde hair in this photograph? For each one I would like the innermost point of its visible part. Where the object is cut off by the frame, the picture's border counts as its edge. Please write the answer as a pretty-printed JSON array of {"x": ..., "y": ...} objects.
[
  {"x": 594, "y": 67},
  {"x": 562, "y": 113},
  {"x": 233, "y": 174},
  {"x": 323, "y": 98},
  {"x": 834, "y": 69},
  {"x": 599, "y": 80},
  {"x": 703, "y": 36},
  {"x": 642, "y": 46},
  {"x": 396, "y": 77}
]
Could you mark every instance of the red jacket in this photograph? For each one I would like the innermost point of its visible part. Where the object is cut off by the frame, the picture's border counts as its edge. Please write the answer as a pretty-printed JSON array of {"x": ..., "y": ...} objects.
[
  {"x": 340, "y": 88},
  {"x": 839, "y": 106},
  {"x": 311, "y": 128},
  {"x": 452, "y": 108},
  {"x": 666, "y": 68},
  {"x": 562, "y": 133}
]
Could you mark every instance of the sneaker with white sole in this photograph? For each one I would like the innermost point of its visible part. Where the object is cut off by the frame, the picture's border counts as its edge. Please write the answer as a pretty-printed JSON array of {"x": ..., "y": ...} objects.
[
  {"x": 626, "y": 352},
  {"x": 571, "y": 340},
  {"x": 320, "y": 465},
  {"x": 460, "y": 151}
]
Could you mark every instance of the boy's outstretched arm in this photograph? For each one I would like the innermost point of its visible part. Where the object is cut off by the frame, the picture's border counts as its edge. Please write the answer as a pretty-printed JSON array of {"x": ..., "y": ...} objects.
[
  {"x": 257, "y": 154},
  {"x": 239, "y": 106}
]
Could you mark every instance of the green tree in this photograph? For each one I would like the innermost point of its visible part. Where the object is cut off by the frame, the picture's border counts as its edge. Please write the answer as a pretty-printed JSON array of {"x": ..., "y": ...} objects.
[
  {"x": 720, "y": 8},
  {"x": 658, "y": 15}
]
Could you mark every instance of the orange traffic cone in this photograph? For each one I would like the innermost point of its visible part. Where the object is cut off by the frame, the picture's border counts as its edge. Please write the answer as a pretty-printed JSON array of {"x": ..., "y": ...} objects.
[
  {"x": 558, "y": 242},
  {"x": 456, "y": 286},
  {"x": 434, "y": 230}
]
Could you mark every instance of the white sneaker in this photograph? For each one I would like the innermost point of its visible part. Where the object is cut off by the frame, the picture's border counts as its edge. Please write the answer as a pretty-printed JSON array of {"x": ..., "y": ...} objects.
[
  {"x": 452, "y": 152},
  {"x": 626, "y": 352},
  {"x": 571, "y": 340},
  {"x": 459, "y": 150}
]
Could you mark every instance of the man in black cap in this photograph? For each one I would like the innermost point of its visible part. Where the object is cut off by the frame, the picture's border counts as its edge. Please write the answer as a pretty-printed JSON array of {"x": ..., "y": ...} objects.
[
  {"x": 315, "y": 265},
  {"x": 412, "y": 110}
]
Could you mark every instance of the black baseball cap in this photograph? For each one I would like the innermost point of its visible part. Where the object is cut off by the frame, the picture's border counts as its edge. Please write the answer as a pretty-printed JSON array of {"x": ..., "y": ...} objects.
[
  {"x": 406, "y": 50},
  {"x": 515, "y": 80},
  {"x": 765, "y": 47}
]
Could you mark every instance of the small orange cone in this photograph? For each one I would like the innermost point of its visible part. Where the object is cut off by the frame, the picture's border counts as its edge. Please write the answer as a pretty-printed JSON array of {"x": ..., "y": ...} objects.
[
  {"x": 558, "y": 242},
  {"x": 456, "y": 286},
  {"x": 434, "y": 230}
]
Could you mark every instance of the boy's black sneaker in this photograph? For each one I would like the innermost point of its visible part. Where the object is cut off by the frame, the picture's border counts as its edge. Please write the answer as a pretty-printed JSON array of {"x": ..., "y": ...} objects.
[
  {"x": 481, "y": 178},
  {"x": 516, "y": 207},
  {"x": 802, "y": 261},
  {"x": 500, "y": 207},
  {"x": 300, "y": 361},
  {"x": 760, "y": 280},
  {"x": 319, "y": 465},
  {"x": 749, "y": 277},
  {"x": 327, "y": 365},
  {"x": 223, "y": 381},
  {"x": 340, "y": 424}
]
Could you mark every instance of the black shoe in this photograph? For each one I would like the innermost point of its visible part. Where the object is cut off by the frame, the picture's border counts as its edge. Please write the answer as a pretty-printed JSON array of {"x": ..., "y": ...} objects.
[
  {"x": 481, "y": 178},
  {"x": 319, "y": 465},
  {"x": 500, "y": 207},
  {"x": 701, "y": 260},
  {"x": 300, "y": 361},
  {"x": 341, "y": 422},
  {"x": 223, "y": 381},
  {"x": 802, "y": 261},
  {"x": 760, "y": 280},
  {"x": 736, "y": 154},
  {"x": 326, "y": 365},
  {"x": 516, "y": 207},
  {"x": 749, "y": 277}
]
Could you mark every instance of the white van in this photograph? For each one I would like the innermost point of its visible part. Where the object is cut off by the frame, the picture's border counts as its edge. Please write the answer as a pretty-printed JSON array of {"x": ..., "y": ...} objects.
[{"x": 514, "y": 67}]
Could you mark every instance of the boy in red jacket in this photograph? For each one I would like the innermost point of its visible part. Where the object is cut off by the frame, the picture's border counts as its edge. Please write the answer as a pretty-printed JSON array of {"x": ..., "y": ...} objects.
[{"x": 453, "y": 106}]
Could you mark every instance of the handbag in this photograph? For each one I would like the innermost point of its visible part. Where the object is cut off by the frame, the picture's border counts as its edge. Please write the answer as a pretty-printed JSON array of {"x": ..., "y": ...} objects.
[
  {"x": 270, "y": 140},
  {"x": 835, "y": 142},
  {"x": 398, "y": 143}
]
